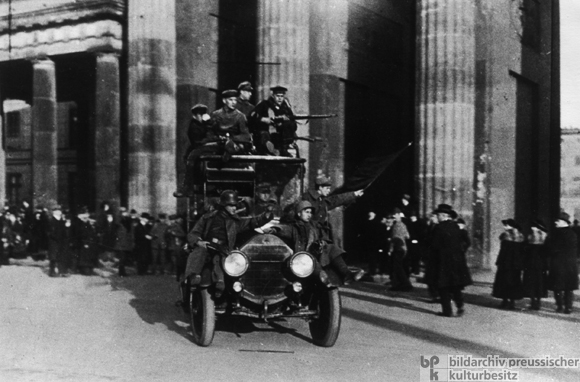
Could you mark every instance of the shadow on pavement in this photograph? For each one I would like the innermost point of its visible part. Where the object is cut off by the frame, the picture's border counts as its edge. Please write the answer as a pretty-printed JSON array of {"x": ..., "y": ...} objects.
[
  {"x": 459, "y": 346},
  {"x": 385, "y": 302},
  {"x": 154, "y": 301}
]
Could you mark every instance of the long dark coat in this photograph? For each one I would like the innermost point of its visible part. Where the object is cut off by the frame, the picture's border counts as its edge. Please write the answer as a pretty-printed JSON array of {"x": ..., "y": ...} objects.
[
  {"x": 124, "y": 236},
  {"x": 57, "y": 239},
  {"x": 508, "y": 278},
  {"x": 450, "y": 265},
  {"x": 86, "y": 239},
  {"x": 535, "y": 264},
  {"x": 562, "y": 247}
]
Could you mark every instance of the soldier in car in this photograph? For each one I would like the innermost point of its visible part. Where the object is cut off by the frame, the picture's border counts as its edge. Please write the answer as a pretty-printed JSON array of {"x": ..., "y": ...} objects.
[
  {"x": 218, "y": 229},
  {"x": 305, "y": 235}
]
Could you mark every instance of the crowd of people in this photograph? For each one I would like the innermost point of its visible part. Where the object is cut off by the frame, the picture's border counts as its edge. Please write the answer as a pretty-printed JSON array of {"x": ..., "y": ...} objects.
[
  {"x": 528, "y": 266},
  {"x": 80, "y": 242}
]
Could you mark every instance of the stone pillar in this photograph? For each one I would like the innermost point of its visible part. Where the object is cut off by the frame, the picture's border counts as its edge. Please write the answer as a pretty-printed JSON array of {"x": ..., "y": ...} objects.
[
  {"x": 2, "y": 153},
  {"x": 445, "y": 104},
  {"x": 197, "y": 72},
  {"x": 107, "y": 130},
  {"x": 44, "y": 153},
  {"x": 284, "y": 38},
  {"x": 151, "y": 105}
]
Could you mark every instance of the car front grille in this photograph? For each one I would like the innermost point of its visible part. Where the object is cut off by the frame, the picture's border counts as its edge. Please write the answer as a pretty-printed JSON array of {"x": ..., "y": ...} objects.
[{"x": 264, "y": 280}]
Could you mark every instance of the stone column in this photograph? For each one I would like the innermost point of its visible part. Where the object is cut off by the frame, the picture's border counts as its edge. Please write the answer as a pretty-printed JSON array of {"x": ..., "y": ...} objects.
[
  {"x": 445, "y": 104},
  {"x": 197, "y": 72},
  {"x": 107, "y": 130},
  {"x": 44, "y": 154},
  {"x": 151, "y": 105},
  {"x": 2, "y": 153},
  {"x": 283, "y": 37}
]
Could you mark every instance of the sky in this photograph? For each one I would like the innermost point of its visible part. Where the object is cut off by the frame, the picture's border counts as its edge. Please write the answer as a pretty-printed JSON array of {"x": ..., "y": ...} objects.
[{"x": 570, "y": 62}]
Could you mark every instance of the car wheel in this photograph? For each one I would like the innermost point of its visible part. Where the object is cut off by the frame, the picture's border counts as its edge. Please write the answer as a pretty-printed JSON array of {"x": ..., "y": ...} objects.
[
  {"x": 202, "y": 316},
  {"x": 325, "y": 328}
]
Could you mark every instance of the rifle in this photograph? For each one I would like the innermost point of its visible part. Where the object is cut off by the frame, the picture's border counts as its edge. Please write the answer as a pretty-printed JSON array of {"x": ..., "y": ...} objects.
[
  {"x": 309, "y": 139},
  {"x": 302, "y": 117}
]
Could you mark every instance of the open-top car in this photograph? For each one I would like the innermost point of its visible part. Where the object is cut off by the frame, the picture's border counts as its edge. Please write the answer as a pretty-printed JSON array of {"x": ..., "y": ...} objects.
[{"x": 264, "y": 278}]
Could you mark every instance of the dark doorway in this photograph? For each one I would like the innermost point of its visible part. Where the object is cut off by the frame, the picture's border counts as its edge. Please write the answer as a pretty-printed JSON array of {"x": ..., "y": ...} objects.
[{"x": 527, "y": 150}]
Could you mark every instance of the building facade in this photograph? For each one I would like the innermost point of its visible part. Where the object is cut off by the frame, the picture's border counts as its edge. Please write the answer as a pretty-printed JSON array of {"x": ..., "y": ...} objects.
[
  {"x": 570, "y": 177},
  {"x": 96, "y": 94}
]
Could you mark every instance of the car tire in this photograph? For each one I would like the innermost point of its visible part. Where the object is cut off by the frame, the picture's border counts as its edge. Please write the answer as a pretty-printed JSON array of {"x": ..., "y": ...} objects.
[
  {"x": 202, "y": 316},
  {"x": 326, "y": 327}
]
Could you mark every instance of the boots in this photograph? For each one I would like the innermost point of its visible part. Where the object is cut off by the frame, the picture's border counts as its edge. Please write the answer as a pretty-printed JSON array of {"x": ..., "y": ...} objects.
[
  {"x": 568, "y": 298},
  {"x": 186, "y": 188},
  {"x": 346, "y": 274},
  {"x": 52, "y": 267},
  {"x": 559, "y": 301}
]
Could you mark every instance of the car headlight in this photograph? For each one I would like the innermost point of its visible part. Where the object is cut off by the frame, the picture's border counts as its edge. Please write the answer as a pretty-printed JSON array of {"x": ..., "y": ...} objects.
[
  {"x": 236, "y": 264},
  {"x": 302, "y": 264}
]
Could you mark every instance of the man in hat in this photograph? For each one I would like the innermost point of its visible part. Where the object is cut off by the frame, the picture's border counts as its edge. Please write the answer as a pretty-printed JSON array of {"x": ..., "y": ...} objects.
[
  {"x": 322, "y": 202},
  {"x": 451, "y": 272},
  {"x": 158, "y": 244},
  {"x": 86, "y": 242},
  {"x": 142, "y": 240},
  {"x": 304, "y": 235},
  {"x": 57, "y": 242},
  {"x": 244, "y": 105},
  {"x": 272, "y": 123},
  {"x": 230, "y": 126},
  {"x": 563, "y": 271},
  {"x": 202, "y": 140},
  {"x": 398, "y": 236},
  {"x": 218, "y": 228},
  {"x": 264, "y": 200}
]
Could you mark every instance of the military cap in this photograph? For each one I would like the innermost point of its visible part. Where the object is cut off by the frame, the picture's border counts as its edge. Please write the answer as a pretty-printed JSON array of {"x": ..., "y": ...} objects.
[
  {"x": 229, "y": 93},
  {"x": 145, "y": 215},
  {"x": 278, "y": 89},
  {"x": 460, "y": 221},
  {"x": 302, "y": 205},
  {"x": 162, "y": 215},
  {"x": 199, "y": 106},
  {"x": 246, "y": 85},
  {"x": 173, "y": 217},
  {"x": 322, "y": 180},
  {"x": 133, "y": 212},
  {"x": 264, "y": 187}
]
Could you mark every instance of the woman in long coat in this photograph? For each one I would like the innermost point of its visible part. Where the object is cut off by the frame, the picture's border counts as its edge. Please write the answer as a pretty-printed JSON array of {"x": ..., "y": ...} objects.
[
  {"x": 535, "y": 265},
  {"x": 563, "y": 271},
  {"x": 508, "y": 278}
]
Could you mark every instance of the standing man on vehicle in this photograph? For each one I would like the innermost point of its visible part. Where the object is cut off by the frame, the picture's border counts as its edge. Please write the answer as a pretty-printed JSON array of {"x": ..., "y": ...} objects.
[
  {"x": 273, "y": 123},
  {"x": 244, "y": 105},
  {"x": 218, "y": 228}
]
